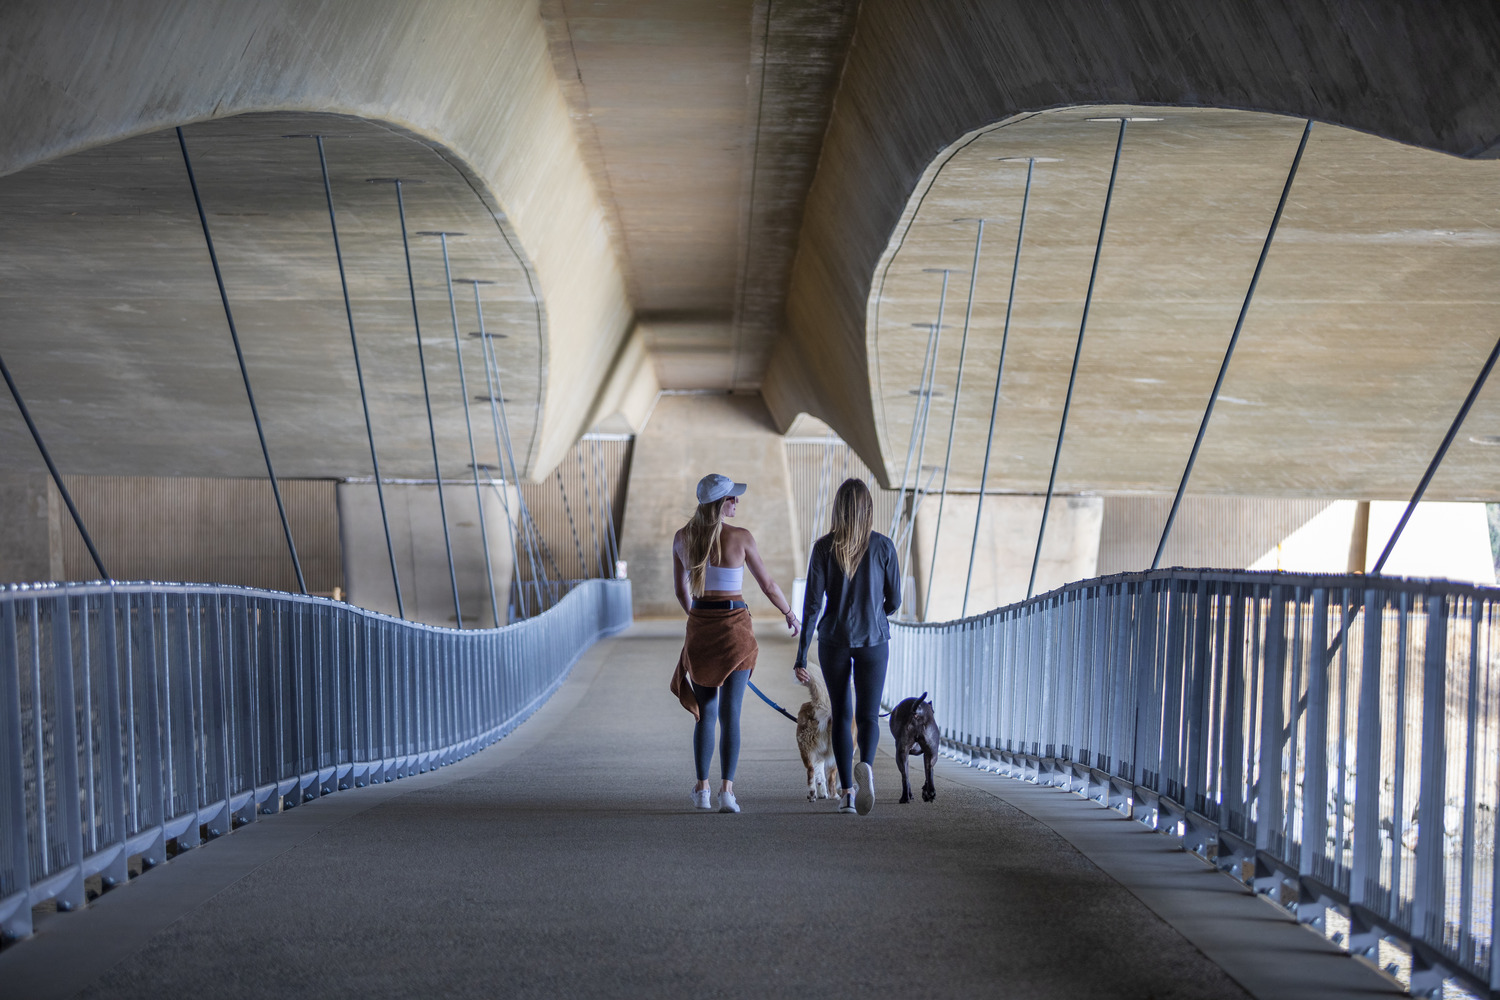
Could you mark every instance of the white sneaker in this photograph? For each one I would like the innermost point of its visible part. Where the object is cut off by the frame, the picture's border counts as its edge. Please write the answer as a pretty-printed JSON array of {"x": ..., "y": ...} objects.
[
  {"x": 727, "y": 804},
  {"x": 846, "y": 803},
  {"x": 702, "y": 798},
  {"x": 864, "y": 782}
]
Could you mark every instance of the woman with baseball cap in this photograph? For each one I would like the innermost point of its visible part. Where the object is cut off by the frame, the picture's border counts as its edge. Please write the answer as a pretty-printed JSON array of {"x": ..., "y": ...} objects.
[{"x": 709, "y": 559}]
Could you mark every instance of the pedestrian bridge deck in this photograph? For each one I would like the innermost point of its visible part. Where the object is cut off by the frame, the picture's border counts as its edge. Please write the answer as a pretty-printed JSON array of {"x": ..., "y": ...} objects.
[{"x": 567, "y": 861}]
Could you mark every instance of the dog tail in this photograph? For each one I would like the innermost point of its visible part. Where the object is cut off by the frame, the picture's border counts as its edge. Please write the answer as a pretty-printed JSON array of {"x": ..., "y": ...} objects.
[{"x": 819, "y": 697}]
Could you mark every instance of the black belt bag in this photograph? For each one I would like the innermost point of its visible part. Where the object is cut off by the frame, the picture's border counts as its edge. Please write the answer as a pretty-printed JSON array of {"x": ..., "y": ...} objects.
[{"x": 717, "y": 605}]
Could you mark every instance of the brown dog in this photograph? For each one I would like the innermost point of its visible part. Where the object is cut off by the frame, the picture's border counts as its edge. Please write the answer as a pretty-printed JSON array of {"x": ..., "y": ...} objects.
[
  {"x": 914, "y": 726},
  {"x": 815, "y": 741}
]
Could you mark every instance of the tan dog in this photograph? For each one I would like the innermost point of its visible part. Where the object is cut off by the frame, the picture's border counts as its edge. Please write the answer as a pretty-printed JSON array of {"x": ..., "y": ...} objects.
[{"x": 815, "y": 742}]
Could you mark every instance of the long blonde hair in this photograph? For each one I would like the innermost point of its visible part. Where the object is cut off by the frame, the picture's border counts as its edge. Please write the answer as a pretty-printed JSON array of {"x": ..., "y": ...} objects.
[
  {"x": 853, "y": 514},
  {"x": 703, "y": 533}
]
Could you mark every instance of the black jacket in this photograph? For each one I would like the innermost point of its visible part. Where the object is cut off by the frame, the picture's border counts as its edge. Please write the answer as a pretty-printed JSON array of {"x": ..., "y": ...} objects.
[{"x": 857, "y": 609}]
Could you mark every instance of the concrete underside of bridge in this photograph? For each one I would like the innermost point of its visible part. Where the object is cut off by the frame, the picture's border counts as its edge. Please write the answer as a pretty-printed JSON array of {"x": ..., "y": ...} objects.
[
  {"x": 568, "y": 861},
  {"x": 754, "y": 189}
]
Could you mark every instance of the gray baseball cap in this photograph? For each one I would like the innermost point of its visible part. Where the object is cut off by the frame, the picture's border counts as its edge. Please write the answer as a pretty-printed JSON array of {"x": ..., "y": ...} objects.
[{"x": 716, "y": 487}]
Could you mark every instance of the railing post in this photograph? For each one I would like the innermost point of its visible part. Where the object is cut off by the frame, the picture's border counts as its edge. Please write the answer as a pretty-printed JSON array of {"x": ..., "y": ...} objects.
[
  {"x": 15, "y": 865},
  {"x": 64, "y": 754},
  {"x": 1315, "y": 773},
  {"x": 1428, "y": 890}
]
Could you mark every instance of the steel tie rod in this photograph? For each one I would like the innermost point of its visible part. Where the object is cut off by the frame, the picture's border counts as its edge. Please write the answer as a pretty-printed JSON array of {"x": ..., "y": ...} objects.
[
  {"x": 359, "y": 373},
  {"x": 1234, "y": 338},
  {"x": 1077, "y": 352},
  {"x": 426, "y": 393},
  {"x": 239, "y": 354}
]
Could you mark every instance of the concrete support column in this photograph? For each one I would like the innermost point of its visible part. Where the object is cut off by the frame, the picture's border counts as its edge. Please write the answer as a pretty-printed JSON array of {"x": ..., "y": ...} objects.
[
  {"x": 686, "y": 438},
  {"x": 417, "y": 536},
  {"x": 1003, "y": 554},
  {"x": 31, "y": 515}
]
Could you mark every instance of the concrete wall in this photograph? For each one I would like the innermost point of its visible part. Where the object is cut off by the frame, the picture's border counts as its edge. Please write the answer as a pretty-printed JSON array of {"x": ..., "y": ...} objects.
[
  {"x": 192, "y": 529},
  {"x": 78, "y": 74},
  {"x": 1004, "y": 550},
  {"x": 421, "y": 559},
  {"x": 686, "y": 438},
  {"x": 921, "y": 74},
  {"x": 31, "y": 546},
  {"x": 1209, "y": 531}
]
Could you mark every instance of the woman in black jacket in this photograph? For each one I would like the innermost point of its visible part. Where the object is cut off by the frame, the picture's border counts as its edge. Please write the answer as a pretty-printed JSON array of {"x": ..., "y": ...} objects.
[{"x": 857, "y": 570}]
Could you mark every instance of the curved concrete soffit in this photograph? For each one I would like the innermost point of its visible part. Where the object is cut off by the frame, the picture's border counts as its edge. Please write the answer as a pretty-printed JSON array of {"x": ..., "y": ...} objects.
[
  {"x": 919, "y": 74},
  {"x": 889, "y": 449},
  {"x": 474, "y": 79},
  {"x": 153, "y": 269},
  {"x": 476, "y": 183},
  {"x": 1345, "y": 320}
]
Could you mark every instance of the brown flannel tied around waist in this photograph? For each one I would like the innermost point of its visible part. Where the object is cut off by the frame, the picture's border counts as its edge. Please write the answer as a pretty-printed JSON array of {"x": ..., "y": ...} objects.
[{"x": 718, "y": 642}]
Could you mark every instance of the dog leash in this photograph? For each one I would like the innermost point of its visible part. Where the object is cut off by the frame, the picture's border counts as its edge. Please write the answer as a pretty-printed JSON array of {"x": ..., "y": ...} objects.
[{"x": 760, "y": 694}]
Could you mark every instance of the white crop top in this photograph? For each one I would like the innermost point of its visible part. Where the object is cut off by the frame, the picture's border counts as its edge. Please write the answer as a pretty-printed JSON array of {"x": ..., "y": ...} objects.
[{"x": 724, "y": 580}]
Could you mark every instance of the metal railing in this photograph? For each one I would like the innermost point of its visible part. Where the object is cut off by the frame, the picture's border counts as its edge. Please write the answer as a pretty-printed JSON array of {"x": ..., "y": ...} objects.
[
  {"x": 1333, "y": 741},
  {"x": 134, "y": 716}
]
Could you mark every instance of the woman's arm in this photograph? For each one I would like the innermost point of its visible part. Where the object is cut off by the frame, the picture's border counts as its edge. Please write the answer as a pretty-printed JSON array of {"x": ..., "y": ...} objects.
[
  {"x": 767, "y": 585},
  {"x": 681, "y": 582},
  {"x": 892, "y": 581},
  {"x": 812, "y": 604}
]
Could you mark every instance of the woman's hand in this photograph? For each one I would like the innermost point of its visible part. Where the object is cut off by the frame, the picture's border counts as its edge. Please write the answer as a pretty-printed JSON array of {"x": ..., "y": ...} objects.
[
  {"x": 792, "y": 622},
  {"x": 801, "y": 674}
]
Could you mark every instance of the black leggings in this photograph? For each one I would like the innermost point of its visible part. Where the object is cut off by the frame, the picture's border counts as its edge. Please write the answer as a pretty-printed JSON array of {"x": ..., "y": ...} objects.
[{"x": 866, "y": 664}]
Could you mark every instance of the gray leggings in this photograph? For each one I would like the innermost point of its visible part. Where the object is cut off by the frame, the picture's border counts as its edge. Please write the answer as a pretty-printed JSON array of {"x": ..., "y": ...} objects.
[{"x": 723, "y": 702}]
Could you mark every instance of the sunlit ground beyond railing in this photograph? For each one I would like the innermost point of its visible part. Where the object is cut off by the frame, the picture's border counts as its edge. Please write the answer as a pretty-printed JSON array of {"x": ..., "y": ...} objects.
[
  {"x": 1333, "y": 741},
  {"x": 138, "y": 717}
]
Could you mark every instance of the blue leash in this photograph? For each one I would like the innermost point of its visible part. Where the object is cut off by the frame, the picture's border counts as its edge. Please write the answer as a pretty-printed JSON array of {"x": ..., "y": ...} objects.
[{"x": 768, "y": 701}]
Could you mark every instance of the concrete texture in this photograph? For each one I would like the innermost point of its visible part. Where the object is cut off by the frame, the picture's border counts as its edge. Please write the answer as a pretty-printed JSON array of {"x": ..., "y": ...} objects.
[
  {"x": 686, "y": 438},
  {"x": 474, "y": 77},
  {"x": 1370, "y": 320},
  {"x": 194, "y": 530},
  {"x": 566, "y": 861},
  {"x": 31, "y": 540},
  {"x": 921, "y": 75},
  {"x": 421, "y": 559},
  {"x": 1231, "y": 532},
  {"x": 1003, "y": 552},
  {"x": 113, "y": 327},
  {"x": 703, "y": 167}
]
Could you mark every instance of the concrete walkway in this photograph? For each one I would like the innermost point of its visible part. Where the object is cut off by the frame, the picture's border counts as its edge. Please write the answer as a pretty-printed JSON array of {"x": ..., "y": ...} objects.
[{"x": 567, "y": 861}]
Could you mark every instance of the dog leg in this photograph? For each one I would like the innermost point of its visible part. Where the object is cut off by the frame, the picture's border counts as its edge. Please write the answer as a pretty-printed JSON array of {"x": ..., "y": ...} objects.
[
  {"x": 929, "y": 790},
  {"x": 812, "y": 782},
  {"x": 901, "y": 754}
]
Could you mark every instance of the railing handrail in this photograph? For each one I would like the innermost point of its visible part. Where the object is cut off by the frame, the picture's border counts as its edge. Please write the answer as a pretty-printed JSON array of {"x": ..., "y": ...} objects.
[
  {"x": 11, "y": 591},
  {"x": 202, "y": 706},
  {"x": 1383, "y": 583},
  {"x": 1254, "y": 716}
]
